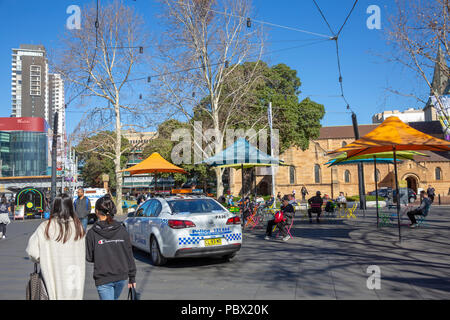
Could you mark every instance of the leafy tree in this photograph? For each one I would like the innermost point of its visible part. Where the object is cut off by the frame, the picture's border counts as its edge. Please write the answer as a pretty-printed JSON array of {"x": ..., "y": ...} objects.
[{"x": 93, "y": 153}]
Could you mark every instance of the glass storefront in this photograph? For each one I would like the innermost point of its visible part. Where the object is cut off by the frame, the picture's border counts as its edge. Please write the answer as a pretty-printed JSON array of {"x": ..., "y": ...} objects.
[{"x": 23, "y": 153}]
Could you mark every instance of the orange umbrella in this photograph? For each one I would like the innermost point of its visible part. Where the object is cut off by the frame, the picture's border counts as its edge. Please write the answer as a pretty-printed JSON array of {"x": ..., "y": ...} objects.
[
  {"x": 154, "y": 164},
  {"x": 393, "y": 135}
]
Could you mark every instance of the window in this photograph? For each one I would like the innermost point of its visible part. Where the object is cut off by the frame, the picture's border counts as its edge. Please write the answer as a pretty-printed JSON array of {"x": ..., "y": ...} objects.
[
  {"x": 317, "y": 173},
  {"x": 292, "y": 175},
  {"x": 154, "y": 209},
  {"x": 140, "y": 212},
  {"x": 347, "y": 176},
  {"x": 194, "y": 206},
  {"x": 438, "y": 173}
]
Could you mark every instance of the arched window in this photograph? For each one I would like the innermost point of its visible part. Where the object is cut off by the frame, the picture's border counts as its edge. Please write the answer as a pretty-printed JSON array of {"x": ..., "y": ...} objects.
[
  {"x": 377, "y": 176},
  {"x": 347, "y": 176},
  {"x": 344, "y": 143},
  {"x": 292, "y": 175},
  {"x": 438, "y": 173},
  {"x": 317, "y": 173}
]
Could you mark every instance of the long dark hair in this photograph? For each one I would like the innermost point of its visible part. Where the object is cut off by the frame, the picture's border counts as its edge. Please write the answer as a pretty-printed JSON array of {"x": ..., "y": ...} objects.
[
  {"x": 61, "y": 211},
  {"x": 106, "y": 207}
]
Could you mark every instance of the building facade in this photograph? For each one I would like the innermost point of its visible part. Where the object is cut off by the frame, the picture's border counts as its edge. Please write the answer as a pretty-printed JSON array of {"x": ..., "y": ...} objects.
[
  {"x": 410, "y": 115},
  {"x": 29, "y": 84},
  {"x": 307, "y": 168},
  {"x": 23, "y": 147}
]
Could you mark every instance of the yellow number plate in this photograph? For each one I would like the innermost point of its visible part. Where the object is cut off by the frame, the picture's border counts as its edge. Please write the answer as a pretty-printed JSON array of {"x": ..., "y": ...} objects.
[{"x": 213, "y": 242}]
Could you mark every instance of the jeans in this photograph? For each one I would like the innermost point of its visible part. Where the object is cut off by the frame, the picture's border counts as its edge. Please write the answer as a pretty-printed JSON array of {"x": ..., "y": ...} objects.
[
  {"x": 3, "y": 229},
  {"x": 112, "y": 290},
  {"x": 412, "y": 213},
  {"x": 84, "y": 222}
]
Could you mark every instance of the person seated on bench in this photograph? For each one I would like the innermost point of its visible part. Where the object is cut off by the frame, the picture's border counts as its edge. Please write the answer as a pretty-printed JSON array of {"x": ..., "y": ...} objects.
[
  {"x": 316, "y": 203},
  {"x": 422, "y": 210},
  {"x": 288, "y": 215}
]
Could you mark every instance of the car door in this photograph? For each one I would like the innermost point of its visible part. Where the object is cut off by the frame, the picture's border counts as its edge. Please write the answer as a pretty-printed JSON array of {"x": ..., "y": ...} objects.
[
  {"x": 146, "y": 223},
  {"x": 136, "y": 233}
]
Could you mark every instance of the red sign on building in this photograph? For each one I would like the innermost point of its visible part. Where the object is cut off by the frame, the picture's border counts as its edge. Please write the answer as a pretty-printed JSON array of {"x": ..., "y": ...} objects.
[{"x": 23, "y": 124}]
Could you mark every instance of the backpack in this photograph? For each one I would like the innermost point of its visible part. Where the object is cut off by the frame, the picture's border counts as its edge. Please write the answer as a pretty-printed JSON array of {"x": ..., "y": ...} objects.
[{"x": 279, "y": 217}]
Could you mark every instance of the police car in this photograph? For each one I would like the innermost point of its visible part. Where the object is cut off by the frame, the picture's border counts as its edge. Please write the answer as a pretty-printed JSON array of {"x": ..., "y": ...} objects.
[{"x": 184, "y": 226}]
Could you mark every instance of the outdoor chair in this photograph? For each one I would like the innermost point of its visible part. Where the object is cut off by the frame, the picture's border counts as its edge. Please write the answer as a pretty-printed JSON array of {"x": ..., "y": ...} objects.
[
  {"x": 288, "y": 229},
  {"x": 350, "y": 212},
  {"x": 385, "y": 219}
]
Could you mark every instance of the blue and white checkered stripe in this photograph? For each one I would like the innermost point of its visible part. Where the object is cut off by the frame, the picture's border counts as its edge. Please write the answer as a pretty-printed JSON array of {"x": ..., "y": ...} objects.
[
  {"x": 233, "y": 237},
  {"x": 190, "y": 240}
]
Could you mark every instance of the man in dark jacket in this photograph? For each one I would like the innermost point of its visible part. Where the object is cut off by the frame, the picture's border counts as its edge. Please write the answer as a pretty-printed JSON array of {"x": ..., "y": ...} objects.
[
  {"x": 430, "y": 193},
  {"x": 422, "y": 210},
  {"x": 82, "y": 206},
  {"x": 316, "y": 203}
]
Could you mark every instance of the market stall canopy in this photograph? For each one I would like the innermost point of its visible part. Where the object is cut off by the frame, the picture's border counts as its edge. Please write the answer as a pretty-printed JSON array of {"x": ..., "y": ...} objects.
[
  {"x": 382, "y": 160},
  {"x": 391, "y": 135},
  {"x": 403, "y": 155},
  {"x": 154, "y": 164},
  {"x": 242, "y": 154}
]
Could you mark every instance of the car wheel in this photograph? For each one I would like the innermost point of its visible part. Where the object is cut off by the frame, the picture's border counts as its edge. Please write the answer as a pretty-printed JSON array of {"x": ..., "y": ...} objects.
[{"x": 155, "y": 253}]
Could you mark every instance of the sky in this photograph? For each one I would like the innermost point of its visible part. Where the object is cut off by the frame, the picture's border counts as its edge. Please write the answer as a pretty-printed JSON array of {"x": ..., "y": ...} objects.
[{"x": 366, "y": 74}]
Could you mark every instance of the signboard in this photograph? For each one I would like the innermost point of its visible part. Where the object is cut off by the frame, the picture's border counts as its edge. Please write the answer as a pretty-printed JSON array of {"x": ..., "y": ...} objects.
[
  {"x": 19, "y": 212},
  {"x": 403, "y": 192}
]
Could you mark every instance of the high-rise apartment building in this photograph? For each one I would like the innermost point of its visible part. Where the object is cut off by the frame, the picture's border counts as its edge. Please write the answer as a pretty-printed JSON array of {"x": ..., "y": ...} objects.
[{"x": 29, "y": 85}]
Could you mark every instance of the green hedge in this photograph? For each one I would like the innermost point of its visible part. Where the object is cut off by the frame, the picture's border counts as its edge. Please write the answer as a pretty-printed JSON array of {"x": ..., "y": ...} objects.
[{"x": 368, "y": 198}]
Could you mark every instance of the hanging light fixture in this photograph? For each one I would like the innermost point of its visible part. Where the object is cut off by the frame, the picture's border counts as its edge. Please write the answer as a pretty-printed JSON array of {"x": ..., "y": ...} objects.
[{"x": 249, "y": 23}]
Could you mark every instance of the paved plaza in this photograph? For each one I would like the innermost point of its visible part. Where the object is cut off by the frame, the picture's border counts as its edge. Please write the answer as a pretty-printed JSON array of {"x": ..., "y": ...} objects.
[{"x": 323, "y": 261}]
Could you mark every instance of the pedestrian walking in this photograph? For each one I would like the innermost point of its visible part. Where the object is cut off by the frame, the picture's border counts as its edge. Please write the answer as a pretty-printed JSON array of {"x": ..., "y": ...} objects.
[
  {"x": 82, "y": 206},
  {"x": 108, "y": 246},
  {"x": 4, "y": 216},
  {"x": 304, "y": 192},
  {"x": 58, "y": 245},
  {"x": 430, "y": 193}
]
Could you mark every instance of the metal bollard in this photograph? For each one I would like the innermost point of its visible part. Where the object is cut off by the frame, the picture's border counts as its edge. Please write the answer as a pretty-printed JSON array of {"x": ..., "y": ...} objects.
[{"x": 439, "y": 198}]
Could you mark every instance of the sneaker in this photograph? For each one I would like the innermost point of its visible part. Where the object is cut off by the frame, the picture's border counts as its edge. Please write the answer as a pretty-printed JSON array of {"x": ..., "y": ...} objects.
[
  {"x": 266, "y": 238},
  {"x": 414, "y": 225},
  {"x": 286, "y": 238},
  {"x": 3, "y": 237}
]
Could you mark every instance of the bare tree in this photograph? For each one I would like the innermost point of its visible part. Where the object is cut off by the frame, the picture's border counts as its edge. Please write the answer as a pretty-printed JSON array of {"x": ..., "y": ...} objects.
[
  {"x": 98, "y": 61},
  {"x": 419, "y": 34},
  {"x": 205, "y": 44}
]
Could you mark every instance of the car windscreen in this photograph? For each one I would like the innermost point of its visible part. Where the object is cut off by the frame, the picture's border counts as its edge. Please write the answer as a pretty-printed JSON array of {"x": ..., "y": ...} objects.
[{"x": 186, "y": 206}]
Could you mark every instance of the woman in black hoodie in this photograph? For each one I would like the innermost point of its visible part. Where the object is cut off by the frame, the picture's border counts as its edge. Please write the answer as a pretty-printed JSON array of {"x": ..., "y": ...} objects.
[{"x": 108, "y": 246}]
